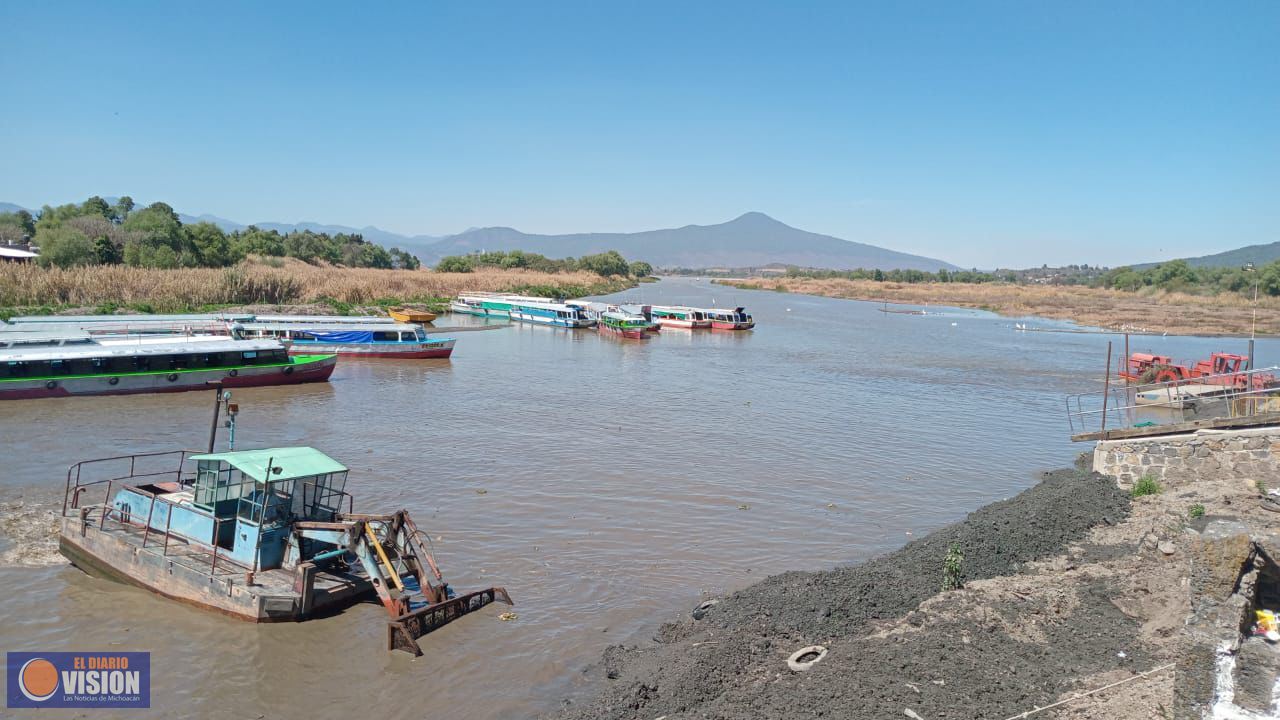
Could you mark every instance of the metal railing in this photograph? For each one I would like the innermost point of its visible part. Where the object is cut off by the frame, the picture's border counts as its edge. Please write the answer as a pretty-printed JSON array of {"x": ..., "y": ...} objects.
[
  {"x": 75, "y": 486},
  {"x": 1128, "y": 405}
]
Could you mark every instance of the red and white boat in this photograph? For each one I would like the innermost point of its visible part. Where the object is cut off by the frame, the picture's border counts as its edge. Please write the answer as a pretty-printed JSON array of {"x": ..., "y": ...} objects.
[
  {"x": 679, "y": 316},
  {"x": 735, "y": 319}
]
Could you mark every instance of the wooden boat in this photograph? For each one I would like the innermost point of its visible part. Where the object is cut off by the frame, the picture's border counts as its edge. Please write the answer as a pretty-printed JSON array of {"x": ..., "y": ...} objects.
[
  {"x": 626, "y": 325},
  {"x": 264, "y": 535},
  {"x": 73, "y": 362},
  {"x": 409, "y": 315},
  {"x": 679, "y": 316},
  {"x": 380, "y": 340}
]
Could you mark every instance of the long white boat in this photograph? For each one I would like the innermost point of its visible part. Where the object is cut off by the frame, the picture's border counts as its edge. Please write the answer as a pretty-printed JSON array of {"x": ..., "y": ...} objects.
[
  {"x": 380, "y": 339},
  {"x": 73, "y": 362},
  {"x": 679, "y": 316},
  {"x": 569, "y": 315}
]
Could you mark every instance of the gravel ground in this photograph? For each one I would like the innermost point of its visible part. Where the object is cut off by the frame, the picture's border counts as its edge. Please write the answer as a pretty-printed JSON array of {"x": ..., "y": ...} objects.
[{"x": 958, "y": 655}]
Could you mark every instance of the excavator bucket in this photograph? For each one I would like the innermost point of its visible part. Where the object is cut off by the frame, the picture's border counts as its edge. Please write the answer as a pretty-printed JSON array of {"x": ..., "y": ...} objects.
[
  {"x": 404, "y": 631},
  {"x": 397, "y": 558}
]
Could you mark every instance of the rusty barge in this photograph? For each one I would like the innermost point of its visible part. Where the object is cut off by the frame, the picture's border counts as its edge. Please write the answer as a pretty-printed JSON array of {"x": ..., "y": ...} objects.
[{"x": 265, "y": 535}]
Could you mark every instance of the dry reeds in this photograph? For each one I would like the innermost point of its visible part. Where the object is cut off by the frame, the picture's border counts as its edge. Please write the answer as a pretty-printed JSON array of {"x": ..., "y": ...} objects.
[
  {"x": 255, "y": 282},
  {"x": 1153, "y": 311}
]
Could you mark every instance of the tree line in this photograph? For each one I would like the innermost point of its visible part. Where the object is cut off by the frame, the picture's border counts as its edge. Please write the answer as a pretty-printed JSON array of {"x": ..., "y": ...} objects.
[
  {"x": 605, "y": 264},
  {"x": 96, "y": 232},
  {"x": 1172, "y": 276}
]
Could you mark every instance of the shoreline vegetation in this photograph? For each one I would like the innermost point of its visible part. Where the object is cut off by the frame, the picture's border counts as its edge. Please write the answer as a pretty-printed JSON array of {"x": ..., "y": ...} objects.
[
  {"x": 1150, "y": 309},
  {"x": 28, "y": 289}
]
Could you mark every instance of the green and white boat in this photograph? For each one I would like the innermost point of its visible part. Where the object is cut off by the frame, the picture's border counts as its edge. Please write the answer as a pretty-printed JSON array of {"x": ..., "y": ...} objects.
[{"x": 69, "y": 362}]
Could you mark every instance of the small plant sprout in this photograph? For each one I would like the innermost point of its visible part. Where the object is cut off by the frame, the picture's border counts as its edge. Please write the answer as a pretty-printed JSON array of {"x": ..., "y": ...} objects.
[
  {"x": 952, "y": 565},
  {"x": 1146, "y": 485},
  {"x": 1196, "y": 511}
]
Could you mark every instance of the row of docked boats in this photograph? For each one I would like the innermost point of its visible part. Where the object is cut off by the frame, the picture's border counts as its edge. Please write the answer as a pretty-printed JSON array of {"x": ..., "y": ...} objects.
[
  {"x": 629, "y": 320},
  {"x": 56, "y": 356}
]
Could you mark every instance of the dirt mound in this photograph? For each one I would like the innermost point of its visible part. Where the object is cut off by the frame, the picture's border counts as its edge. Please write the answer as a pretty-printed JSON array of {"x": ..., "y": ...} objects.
[
  {"x": 954, "y": 657},
  {"x": 996, "y": 540}
]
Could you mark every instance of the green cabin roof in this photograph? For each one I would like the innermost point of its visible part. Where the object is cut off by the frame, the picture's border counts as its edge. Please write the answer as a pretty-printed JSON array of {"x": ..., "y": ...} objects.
[{"x": 294, "y": 462}]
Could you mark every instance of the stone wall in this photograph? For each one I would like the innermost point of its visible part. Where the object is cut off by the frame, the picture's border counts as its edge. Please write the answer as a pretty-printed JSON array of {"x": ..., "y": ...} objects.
[{"x": 1252, "y": 454}]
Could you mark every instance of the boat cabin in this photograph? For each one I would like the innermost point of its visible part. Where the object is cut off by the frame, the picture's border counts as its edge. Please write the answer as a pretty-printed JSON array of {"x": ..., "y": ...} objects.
[
  {"x": 244, "y": 503},
  {"x": 382, "y": 332}
]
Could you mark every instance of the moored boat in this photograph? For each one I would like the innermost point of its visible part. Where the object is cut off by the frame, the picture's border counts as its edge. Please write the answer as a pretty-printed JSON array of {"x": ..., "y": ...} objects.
[
  {"x": 624, "y": 324},
  {"x": 679, "y": 316},
  {"x": 735, "y": 319},
  {"x": 409, "y": 315},
  {"x": 265, "y": 535},
  {"x": 73, "y": 362},
  {"x": 569, "y": 315},
  {"x": 386, "y": 340}
]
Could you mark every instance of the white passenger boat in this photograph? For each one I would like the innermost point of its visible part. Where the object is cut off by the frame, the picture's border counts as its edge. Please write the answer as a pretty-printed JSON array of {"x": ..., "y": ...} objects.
[
  {"x": 381, "y": 339},
  {"x": 73, "y": 362}
]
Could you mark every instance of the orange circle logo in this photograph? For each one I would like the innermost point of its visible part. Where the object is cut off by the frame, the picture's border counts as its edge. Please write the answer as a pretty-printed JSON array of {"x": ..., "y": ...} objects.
[{"x": 38, "y": 679}]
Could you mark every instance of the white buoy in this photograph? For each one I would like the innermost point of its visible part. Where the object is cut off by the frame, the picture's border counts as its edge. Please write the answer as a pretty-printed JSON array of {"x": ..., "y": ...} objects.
[{"x": 954, "y": 324}]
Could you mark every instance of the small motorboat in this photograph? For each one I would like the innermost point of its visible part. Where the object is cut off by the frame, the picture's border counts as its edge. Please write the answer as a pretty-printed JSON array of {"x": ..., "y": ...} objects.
[{"x": 409, "y": 315}]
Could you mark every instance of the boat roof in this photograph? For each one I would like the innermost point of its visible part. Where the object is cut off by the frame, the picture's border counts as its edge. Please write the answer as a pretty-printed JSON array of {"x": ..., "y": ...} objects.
[
  {"x": 22, "y": 336},
  {"x": 545, "y": 304},
  {"x": 293, "y": 462},
  {"x": 121, "y": 326},
  {"x": 129, "y": 346},
  {"x": 337, "y": 327},
  {"x": 621, "y": 315},
  {"x": 17, "y": 253},
  {"x": 89, "y": 319},
  {"x": 323, "y": 319}
]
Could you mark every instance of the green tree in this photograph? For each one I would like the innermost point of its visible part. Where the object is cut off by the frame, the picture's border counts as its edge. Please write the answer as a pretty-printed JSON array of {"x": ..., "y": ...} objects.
[
  {"x": 122, "y": 208},
  {"x": 96, "y": 206},
  {"x": 639, "y": 269},
  {"x": 403, "y": 260},
  {"x": 455, "y": 264},
  {"x": 210, "y": 243},
  {"x": 604, "y": 264},
  {"x": 65, "y": 247}
]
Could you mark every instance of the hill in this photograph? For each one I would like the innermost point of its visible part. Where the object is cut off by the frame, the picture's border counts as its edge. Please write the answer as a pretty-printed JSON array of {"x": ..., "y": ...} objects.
[
  {"x": 1259, "y": 255},
  {"x": 751, "y": 240}
]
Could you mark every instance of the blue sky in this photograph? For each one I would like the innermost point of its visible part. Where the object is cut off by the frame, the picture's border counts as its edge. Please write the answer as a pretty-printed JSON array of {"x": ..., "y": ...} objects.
[{"x": 984, "y": 133}]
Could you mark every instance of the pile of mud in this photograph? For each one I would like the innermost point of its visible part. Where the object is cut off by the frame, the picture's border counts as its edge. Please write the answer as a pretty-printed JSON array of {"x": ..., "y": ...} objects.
[{"x": 885, "y": 656}]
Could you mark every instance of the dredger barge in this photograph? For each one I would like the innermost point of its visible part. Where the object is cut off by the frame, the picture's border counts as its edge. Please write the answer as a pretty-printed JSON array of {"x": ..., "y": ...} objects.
[{"x": 265, "y": 535}]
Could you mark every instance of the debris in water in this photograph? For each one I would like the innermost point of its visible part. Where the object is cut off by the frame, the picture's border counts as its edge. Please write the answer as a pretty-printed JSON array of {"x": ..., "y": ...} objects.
[
  {"x": 744, "y": 506},
  {"x": 508, "y": 616},
  {"x": 481, "y": 491}
]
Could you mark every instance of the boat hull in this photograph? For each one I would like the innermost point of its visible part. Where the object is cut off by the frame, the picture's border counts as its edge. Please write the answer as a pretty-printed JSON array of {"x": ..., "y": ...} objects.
[
  {"x": 116, "y": 556},
  {"x": 726, "y": 325},
  {"x": 636, "y": 334},
  {"x": 687, "y": 324},
  {"x": 317, "y": 369},
  {"x": 411, "y": 316},
  {"x": 462, "y": 309},
  {"x": 410, "y": 351},
  {"x": 555, "y": 322}
]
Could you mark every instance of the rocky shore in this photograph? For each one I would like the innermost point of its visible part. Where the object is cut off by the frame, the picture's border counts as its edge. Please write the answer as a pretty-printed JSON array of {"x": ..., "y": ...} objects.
[{"x": 1068, "y": 587}]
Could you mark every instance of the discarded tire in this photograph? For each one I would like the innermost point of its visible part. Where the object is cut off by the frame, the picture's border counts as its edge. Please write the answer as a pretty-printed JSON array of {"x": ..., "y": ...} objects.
[
  {"x": 234, "y": 372},
  {"x": 700, "y": 611},
  {"x": 288, "y": 370},
  {"x": 114, "y": 381},
  {"x": 173, "y": 377},
  {"x": 806, "y": 657}
]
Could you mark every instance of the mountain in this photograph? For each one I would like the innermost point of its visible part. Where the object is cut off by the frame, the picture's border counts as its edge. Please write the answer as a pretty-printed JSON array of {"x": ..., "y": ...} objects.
[
  {"x": 1259, "y": 255},
  {"x": 752, "y": 240}
]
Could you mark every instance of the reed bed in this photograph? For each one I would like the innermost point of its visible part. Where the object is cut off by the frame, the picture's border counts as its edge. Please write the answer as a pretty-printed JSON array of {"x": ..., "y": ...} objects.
[
  {"x": 273, "y": 282},
  {"x": 1149, "y": 311}
]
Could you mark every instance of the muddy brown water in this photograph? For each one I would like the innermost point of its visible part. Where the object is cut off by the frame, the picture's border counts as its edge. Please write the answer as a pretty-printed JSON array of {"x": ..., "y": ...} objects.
[{"x": 622, "y": 481}]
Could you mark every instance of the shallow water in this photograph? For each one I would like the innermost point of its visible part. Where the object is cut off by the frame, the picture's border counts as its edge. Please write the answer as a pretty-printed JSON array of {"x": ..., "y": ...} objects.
[{"x": 622, "y": 480}]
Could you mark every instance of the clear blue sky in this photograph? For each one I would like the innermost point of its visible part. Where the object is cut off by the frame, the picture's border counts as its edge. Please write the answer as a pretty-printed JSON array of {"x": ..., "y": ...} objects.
[{"x": 1007, "y": 133}]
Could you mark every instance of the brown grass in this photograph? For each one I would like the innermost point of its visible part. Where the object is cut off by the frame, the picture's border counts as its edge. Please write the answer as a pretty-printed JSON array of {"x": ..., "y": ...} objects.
[
  {"x": 257, "y": 282},
  {"x": 1159, "y": 311}
]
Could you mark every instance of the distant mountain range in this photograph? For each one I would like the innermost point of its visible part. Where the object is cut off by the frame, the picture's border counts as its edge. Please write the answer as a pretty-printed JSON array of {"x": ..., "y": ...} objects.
[
  {"x": 1259, "y": 255},
  {"x": 751, "y": 240}
]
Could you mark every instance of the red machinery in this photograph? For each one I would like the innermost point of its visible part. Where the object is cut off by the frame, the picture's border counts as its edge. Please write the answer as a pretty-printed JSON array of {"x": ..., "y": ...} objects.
[{"x": 1219, "y": 369}]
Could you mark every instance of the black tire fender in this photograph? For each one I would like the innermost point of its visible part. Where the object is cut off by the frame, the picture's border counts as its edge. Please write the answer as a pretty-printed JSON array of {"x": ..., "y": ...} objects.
[{"x": 51, "y": 384}]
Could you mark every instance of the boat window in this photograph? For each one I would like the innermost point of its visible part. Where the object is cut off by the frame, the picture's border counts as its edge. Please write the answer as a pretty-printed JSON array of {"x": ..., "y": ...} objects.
[
  {"x": 57, "y": 367},
  {"x": 141, "y": 363},
  {"x": 420, "y": 334},
  {"x": 250, "y": 357},
  {"x": 386, "y": 336}
]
